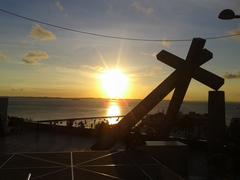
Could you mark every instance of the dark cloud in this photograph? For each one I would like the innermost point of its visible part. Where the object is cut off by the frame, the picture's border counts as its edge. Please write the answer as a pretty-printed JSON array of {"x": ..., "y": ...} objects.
[
  {"x": 232, "y": 75},
  {"x": 235, "y": 31}
]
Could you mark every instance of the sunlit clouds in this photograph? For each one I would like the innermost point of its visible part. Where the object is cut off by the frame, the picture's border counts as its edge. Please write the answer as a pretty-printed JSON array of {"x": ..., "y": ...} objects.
[
  {"x": 95, "y": 68},
  {"x": 141, "y": 8},
  {"x": 41, "y": 34},
  {"x": 166, "y": 44},
  {"x": 59, "y": 6},
  {"x": 3, "y": 56},
  {"x": 35, "y": 57}
]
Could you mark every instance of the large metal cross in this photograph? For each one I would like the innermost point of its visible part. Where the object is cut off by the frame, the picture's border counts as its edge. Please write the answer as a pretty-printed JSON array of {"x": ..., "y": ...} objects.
[{"x": 178, "y": 80}]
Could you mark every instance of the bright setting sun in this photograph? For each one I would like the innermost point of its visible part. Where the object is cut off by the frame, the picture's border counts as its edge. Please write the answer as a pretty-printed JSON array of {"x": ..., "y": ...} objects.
[{"x": 114, "y": 83}]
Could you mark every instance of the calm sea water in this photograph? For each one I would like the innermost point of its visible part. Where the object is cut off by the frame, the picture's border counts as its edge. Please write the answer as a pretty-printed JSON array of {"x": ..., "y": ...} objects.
[{"x": 57, "y": 108}]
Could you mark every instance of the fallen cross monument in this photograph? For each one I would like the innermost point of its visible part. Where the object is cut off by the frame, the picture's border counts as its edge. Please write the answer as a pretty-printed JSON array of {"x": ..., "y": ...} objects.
[{"x": 179, "y": 81}]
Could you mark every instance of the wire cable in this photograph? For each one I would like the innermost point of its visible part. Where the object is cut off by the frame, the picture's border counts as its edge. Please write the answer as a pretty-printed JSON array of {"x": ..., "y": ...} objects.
[{"x": 111, "y": 36}]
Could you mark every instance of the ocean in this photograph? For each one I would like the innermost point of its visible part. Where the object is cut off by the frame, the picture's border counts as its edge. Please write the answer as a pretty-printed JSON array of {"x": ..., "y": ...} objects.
[{"x": 60, "y": 108}]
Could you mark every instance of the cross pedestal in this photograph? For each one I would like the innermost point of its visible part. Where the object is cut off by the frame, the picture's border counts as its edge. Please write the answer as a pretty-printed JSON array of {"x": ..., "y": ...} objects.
[
  {"x": 3, "y": 115},
  {"x": 216, "y": 121},
  {"x": 216, "y": 134}
]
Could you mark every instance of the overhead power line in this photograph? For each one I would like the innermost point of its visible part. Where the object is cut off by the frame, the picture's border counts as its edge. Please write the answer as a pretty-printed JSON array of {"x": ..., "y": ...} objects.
[{"x": 111, "y": 36}]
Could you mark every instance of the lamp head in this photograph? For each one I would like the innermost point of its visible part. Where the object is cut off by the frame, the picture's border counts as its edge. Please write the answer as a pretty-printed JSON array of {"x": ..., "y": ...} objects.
[{"x": 227, "y": 14}]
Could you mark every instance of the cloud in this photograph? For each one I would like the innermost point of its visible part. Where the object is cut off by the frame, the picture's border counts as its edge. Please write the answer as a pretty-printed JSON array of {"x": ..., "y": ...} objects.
[
  {"x": 140, "y": 8},
  {"x": 41, "y": 34},
  {"x": 3, "y": 56},
  {"x": 93, "y": 68},
  {"x": 17, "y": 89},
  {"x": 59, "y": 6},
  {"x": 235, "y": 31},
  {"x": 35, "y": 57},
  {"x": 166, "y": 44},
  {"x": 147, "y": 71},
  {"x": 148, "y": 54},
  {"x": 232, "y": 75}
]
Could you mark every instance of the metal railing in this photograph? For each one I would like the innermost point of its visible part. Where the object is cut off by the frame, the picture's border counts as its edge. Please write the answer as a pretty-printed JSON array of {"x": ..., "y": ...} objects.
[{"x": 84, "y": 122}]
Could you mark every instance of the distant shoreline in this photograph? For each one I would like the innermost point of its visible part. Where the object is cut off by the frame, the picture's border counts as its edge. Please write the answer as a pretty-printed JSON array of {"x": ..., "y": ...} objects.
[
  {"x": 73, "y": 98},
  {"x": 79, "y": 98}
]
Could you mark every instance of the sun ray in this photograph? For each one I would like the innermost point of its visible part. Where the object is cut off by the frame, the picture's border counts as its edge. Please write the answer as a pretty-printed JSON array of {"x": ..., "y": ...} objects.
[
  {"x": 102, "y": 58},
  {"x": 119, "y": 53}
]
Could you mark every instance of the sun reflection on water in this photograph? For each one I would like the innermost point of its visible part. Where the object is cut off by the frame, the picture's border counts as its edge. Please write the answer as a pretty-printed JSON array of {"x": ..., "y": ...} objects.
[{"x": 113, "y": 110}]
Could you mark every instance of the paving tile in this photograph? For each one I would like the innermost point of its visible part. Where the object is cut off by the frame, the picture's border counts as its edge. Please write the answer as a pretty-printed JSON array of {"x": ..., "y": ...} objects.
[
  {"x": 116, "y": 158},
  {"x": 17, "y": 174},
  {"x": 63, "y": 158},
  {"x": 80, "y": 174},
  {"x": 81, "y": 157},
  {"x": 19, "y": 161},
  {"x": 91, "y": 165},
  {"x": 122, "y": 172},
  {"x": 4, "y": 158}
]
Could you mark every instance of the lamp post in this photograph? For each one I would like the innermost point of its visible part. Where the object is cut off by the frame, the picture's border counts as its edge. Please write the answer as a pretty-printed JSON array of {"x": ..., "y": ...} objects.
[{"x": 227, "y": 14}]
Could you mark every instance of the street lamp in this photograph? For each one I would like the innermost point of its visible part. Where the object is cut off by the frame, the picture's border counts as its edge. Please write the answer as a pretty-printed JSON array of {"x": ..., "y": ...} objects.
[{"x": 227, "y": 14}]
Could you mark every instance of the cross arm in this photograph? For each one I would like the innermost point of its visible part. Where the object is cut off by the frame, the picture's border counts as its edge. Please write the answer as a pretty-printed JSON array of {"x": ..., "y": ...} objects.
[
  {"x": 209, "y": 79},
  {"x": 176, "y": 62}
]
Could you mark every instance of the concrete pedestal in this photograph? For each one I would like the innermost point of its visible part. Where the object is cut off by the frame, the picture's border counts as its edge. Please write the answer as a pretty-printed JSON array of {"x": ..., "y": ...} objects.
[
  {"x": 172, "y": 154},
  {"x": 3, "y": 115},
  {"x": 216, "y": 121}
]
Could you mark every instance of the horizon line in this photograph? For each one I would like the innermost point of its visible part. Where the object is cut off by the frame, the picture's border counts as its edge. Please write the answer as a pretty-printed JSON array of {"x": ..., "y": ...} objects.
[{"x": 76, "y": 98}]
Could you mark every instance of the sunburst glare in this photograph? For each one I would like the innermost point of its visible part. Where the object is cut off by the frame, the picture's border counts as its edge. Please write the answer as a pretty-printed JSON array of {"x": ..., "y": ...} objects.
[
  {"x": 113, "y": 110},
  {"x": 114, "y": 83}
]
